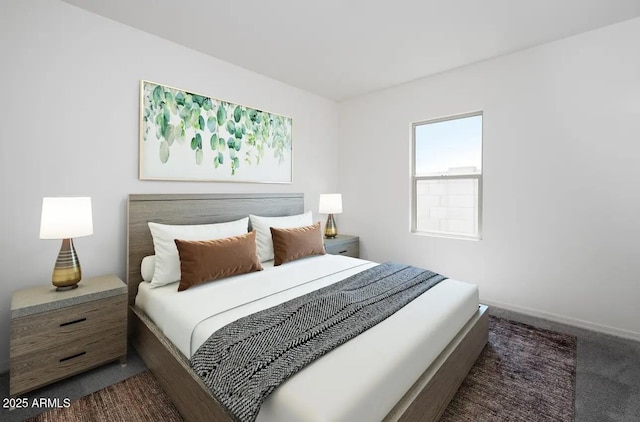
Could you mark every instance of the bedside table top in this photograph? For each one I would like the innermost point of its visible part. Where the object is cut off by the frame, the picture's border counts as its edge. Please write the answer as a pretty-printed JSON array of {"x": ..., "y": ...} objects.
[
  {"x": 341, "y": 238},
  {"x": 45, "y": 298}
]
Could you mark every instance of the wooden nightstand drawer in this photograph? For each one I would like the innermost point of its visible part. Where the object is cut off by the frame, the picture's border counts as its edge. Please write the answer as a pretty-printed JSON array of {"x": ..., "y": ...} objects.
[
  {"x": 33, "y": 370},
  {"x": 58, "y": 334},
  {"x": 347, "y": 249},
  {"x": 49, "y": 329},
  {"x": 343, "y": 245}
]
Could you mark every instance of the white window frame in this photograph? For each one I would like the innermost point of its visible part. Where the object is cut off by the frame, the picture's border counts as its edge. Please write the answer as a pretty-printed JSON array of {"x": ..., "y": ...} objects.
[{"x": 415, "y": 179}]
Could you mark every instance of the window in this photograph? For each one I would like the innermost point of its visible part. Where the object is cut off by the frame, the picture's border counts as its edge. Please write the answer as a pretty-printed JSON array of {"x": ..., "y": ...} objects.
[{"x": 447, "y": 176}]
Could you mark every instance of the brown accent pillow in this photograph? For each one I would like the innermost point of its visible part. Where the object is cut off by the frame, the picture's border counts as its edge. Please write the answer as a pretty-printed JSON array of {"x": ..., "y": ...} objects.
[
  {"x": 296, "y": 243},
  {"x": 207, "y": 260}
]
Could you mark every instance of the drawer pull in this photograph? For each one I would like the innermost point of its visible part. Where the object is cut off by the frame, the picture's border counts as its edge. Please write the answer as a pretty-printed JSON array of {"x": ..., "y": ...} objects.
[
  {"x": 341, "y": 252},
  {"x": 73, "y": 356},
  {"x": 72, "y": 322}
]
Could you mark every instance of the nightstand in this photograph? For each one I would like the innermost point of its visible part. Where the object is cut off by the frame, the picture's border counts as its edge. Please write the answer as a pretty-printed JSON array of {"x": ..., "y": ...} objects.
[
  {"x": 58, "y": 334},
  {"x": 343, "y": 244}
]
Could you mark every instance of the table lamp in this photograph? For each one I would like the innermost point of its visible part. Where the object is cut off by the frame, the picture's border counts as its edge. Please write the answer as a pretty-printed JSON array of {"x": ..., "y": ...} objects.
[
  {"x": 330, "y": 203},
  {"x": 66, "y": 218}
]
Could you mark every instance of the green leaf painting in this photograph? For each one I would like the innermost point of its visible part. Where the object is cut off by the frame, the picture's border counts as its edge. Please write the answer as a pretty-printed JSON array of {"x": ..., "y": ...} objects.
[{"x": 188, "y": 136}]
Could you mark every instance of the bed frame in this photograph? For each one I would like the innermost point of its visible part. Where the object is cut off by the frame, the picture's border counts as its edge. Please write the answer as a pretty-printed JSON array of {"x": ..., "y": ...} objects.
[{"x": 426, "y": 400}]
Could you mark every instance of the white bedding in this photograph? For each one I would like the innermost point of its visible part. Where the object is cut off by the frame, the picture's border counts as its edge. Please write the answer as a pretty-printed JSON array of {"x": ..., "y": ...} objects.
[{"x": 362, "y": 379}]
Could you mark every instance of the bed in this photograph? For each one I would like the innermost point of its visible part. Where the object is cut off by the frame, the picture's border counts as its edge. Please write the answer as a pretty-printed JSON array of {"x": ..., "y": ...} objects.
[{"x": 165, "y": 345}]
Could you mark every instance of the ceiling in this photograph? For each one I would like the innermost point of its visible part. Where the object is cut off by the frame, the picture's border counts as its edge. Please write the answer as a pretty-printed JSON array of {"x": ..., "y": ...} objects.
[{"x": 340, "y": 49}]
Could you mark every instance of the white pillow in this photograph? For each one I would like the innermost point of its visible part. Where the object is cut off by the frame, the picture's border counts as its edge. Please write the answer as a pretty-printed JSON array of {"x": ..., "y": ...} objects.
[
  {"x": 167, "y": 269},
  {"x": 148, "y": 267},
  {"x": 262, "y": 226}
]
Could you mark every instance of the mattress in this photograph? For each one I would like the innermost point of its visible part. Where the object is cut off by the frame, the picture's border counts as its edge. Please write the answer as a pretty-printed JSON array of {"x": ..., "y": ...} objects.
[{"x": 360, "y": 380}]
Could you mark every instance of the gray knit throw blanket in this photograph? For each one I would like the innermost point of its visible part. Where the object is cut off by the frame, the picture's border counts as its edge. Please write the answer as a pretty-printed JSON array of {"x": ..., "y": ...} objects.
[{"x": 243, "y": 362}]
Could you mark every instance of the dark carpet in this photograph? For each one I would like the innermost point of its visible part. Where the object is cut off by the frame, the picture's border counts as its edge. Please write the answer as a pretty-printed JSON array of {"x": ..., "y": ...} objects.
[
  {"x": 136, "y": 399},
  {"x": 523, "y": 374}
]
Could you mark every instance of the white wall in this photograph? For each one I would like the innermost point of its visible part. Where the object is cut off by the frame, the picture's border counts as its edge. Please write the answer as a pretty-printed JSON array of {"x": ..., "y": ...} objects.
[
  {"x": 69, "y": 126},
  {"x": 561, "y": 156}
]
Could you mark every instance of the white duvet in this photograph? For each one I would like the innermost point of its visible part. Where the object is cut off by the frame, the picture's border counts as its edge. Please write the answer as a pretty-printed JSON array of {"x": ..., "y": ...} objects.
[{"x": 360, "y": 380}]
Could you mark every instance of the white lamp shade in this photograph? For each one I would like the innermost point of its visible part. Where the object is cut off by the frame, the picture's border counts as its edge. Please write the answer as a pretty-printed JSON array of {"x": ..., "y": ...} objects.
[
  {"x": 65, "y": 218},
  {"x": 330, "y": 203}
]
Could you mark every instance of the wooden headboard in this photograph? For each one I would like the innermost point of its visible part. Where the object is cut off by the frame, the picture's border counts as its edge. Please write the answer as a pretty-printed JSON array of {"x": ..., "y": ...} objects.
[{"x": 193, "y": 209}]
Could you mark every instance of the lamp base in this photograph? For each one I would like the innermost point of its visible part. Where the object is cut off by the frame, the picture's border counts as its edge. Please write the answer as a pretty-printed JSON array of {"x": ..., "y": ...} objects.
[
  {"x": 65, "y": 288},
  {"x": 67, "y": 272},
  {"x": 330, "y": 229}
]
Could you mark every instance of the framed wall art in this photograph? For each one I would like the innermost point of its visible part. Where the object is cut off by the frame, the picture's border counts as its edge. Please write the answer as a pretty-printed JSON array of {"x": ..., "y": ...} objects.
[{"x": 188, "y": 136}]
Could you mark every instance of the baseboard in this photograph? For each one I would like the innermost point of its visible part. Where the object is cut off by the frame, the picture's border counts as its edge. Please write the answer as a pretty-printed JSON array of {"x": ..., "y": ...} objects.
[{"x": 631, "y": 335}]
